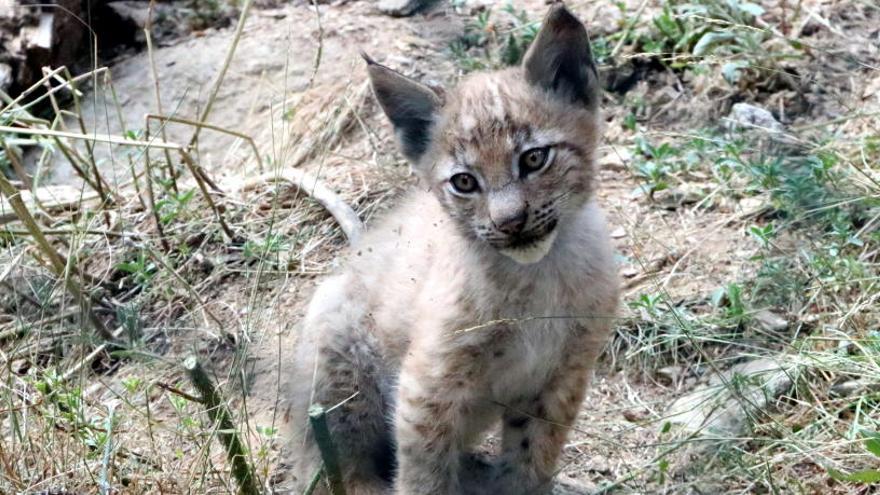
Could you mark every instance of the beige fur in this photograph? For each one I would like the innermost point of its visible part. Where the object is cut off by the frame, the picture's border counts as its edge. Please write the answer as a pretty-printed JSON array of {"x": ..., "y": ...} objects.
[{"x": 458, "y": 310}]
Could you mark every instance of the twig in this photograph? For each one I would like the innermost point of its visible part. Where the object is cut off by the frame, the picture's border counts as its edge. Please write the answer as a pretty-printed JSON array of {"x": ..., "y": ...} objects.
[
  {"x": 177, "y": 391},
  {"x": 154, "y": 73},
  {"x": 88, "y": 358},
  {"x": 49, "y": 199},
  {"x": 99, "y": 138},
  {"x": 151, "y": 196},
  {"x": 188, "y": 287},
  {"x": 245, "y": 9},
  {"x": 179, "y": 120},
  {"x": 201, "y": 180},
  {"x": 318, "y": 420},
  {"x": 108, "y": 83},
  {"x": 222, "y": 418},
  {"x": 90, "y": 152}
]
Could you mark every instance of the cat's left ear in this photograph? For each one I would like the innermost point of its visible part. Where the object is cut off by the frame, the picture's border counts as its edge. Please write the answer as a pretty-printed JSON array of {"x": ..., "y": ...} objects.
[
  {"x": 560, "y": 60},
  {"x": 411, "y": 107}
]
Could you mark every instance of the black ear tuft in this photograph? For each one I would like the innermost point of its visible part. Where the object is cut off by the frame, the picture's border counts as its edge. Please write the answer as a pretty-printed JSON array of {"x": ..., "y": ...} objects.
[
  {"x": 411, "y": 107},
  {"x": 560, "y": 60}
]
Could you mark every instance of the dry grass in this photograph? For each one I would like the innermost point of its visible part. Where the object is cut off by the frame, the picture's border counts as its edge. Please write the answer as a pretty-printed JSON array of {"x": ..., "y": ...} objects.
[{"x": 108, "y": 284}]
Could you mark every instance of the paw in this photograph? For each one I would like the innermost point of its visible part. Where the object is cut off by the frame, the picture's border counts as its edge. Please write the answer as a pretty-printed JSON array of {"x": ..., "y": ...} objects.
[{"x": 482, "y": 475}]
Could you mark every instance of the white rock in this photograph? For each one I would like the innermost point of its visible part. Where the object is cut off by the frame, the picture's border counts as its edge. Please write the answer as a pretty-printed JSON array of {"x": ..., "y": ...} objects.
[
  {"x": 5, "y": 77},
  {"x": 745, "y": 116},
  {"x": 723, "y": 406},
  {"x": 770, "y": 321}
]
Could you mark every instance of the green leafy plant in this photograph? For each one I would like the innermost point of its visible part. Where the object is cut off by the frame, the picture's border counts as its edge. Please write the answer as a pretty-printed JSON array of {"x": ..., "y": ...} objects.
[
  {"x": 141, "y": 268},
  {"x": 495, "y": 41},
  {"x": 722, "y": 32}
]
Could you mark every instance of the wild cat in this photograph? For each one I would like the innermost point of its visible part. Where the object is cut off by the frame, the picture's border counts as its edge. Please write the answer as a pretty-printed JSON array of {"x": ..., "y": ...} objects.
[{"x": 486, "y": 295}]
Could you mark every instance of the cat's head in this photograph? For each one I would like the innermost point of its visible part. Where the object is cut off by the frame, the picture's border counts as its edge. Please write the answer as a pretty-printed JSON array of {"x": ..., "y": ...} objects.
[{"x": 509, "y": 154}]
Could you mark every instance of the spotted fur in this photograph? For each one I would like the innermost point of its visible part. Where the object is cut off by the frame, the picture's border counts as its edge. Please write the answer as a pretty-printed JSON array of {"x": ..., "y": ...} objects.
[{"x": 461, "y": 309}]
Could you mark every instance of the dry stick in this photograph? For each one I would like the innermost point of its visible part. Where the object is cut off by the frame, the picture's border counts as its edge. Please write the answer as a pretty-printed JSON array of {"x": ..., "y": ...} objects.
[
  {"x": 151, "y": 196},
  {"x": 102, "y": 138},
  {"x": 70, "y": 154},
  {"x": 179, "y": 120},
  {"x": 318, "y": 420},
  {"x": 219, "y": 81},
  {"x": 31, "y": 89},
  {"x": 90, "y": 152},
  {"x": 201, "y": 180},
  {"x": 188, "y": 287},
  {"x": 154, "y": 74},
  {"x": 16, "y": 166},
  {"x": 222, "y": 418},
  {"x": 57, "y": 263},
  {"x": 200, "y": 177},
  {"x": 88, "y": 358},
  {"x": 108, "y": 82},
  {"x": 74, "y": 163},
  {"x": 16, "y": 329}
]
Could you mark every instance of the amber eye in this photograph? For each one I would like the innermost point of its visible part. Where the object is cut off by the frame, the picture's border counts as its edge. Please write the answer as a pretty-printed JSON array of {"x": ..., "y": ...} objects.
[
  {"x": 464, "y": 183},
  {"x": 533, "y": 160}
]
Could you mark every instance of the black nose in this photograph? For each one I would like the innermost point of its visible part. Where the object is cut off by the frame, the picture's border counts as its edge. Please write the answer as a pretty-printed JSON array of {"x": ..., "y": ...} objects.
[{"x": 513, "y": 224}]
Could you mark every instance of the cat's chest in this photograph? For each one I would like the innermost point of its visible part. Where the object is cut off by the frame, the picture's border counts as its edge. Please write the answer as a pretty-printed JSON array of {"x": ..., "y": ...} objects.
[
  {"x": 523, "y": 357},
  {"x": 540, "y": 316}
]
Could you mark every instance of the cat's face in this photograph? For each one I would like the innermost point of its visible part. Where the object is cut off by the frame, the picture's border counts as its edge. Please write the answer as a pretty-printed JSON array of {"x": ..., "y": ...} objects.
[
  {"x": 509, "y": 154},
  {"x": 510, "y": 162}
]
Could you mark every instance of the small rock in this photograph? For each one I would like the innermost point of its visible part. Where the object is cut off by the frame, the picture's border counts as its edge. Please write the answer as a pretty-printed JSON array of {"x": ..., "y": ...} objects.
[
  {"x": 402, "y": 8},
  {"x": 616, "y": 160},
  {"x": 744, "y": 116},
  {"x": 669, "y": 374},
  {"x": 473, "y": 6},
  {"x": 770, "y": 321},
  {"x": 850, "y": 388},
  {"x": 629, "y": 272},
  {"x": 751, "y": 205},
  {"x": 724, "y": 405},
  {"x": 565, "y": 485},
  {"x": 618, "y": 233},
  {"x": 636, "y": 416},
  {"x": 673, "y": 199},
  {"x": 399, "y": 61}
]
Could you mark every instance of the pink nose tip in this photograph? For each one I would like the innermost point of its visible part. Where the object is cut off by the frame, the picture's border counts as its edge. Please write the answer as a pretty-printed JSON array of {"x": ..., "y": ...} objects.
[{"x": 514, "y": 224}]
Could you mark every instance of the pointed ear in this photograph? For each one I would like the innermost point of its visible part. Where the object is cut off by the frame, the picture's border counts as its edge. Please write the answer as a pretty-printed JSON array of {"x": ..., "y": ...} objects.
[
  {"x": 560, "y": 61},
  {"x": 411, "y": 107}
]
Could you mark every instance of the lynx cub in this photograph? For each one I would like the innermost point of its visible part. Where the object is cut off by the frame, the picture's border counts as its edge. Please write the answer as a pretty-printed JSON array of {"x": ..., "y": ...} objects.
[{"x": 486, "y": 295}]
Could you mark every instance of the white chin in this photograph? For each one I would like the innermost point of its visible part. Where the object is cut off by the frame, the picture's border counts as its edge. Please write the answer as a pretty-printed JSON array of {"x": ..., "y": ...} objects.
[{"x": 532, "y": 253}]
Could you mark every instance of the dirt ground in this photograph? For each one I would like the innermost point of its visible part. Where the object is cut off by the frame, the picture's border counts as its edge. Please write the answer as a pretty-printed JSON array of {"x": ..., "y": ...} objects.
[{"x": 307, "y": 59}]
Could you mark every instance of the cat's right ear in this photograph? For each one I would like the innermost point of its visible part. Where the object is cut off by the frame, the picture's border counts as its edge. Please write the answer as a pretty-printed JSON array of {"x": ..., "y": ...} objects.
[
  {"x": 560, "y": 61},
  {"x": 411, "y": 107}
]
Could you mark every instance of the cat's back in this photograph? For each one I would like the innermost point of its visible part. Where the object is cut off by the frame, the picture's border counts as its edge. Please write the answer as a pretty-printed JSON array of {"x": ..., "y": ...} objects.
[{"x": 403, "y": 241}]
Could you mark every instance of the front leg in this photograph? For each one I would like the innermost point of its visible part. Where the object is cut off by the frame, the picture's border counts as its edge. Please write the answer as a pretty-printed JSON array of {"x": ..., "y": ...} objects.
[
  {"x": 436, "y": 416},
  {"x": 535, "y": 430}
]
